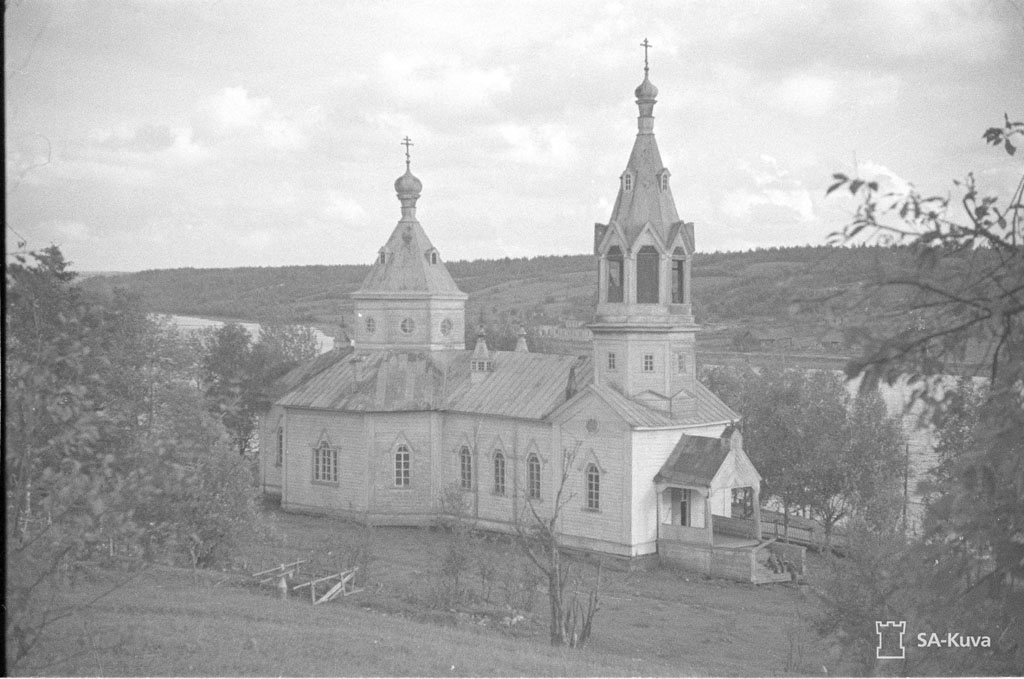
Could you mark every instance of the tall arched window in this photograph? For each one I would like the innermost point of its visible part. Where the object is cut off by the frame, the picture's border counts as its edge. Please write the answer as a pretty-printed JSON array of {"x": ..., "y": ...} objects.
[
  {"x": 593, "y": 487},
  {"x": 466, "y": 468},
  {"x": 647, "y": 263},
  {"x": 499, "y": 473},
  {"x": 533, "y": 477},
  {"x": 627, "y": 182},
  {"x": 325, "y": 463},
  {"x": 615, "y": 274},
  {"x": 403, "y": 466},
  {"x": 678, "y": 276}
]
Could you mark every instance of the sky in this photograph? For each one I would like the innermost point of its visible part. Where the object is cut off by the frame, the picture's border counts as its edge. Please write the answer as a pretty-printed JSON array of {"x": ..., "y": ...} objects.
[{"x": 224, "y": 133}]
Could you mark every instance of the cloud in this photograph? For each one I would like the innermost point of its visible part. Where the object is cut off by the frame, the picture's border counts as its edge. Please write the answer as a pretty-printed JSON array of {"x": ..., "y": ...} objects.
[
  {"x": 546, "y": 145},
  {"x": 887, "y": 179},
  {"x": 769, "y": 195},
  {"x": 233, "y": 115},
  {"x": 343, "y": 207},
  {"x": 807, "y": 94}
]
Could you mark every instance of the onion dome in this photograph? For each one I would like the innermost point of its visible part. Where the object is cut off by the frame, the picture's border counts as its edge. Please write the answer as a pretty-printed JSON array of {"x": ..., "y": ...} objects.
[
  {"x": 646, "y": 91},
  {"x": 408, "y": 186}
]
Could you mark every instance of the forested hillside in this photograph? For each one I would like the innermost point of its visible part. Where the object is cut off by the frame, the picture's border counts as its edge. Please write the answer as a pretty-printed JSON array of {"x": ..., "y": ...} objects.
[{"x": 794, "y": 289}]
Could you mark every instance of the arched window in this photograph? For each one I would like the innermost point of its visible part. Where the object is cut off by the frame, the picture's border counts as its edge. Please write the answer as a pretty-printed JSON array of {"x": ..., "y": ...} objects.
[
  {"x": 664, "y": 181},
  {"x": 627, "y": 182},
  {"x": 678, "y": 277},
  {"x": 647, "y": 263},
  {"x": 615, "y": 274},
  {"x": 280, "y": 446},
  {"x": 402, "y": 466},
  {"x": 533, "y": 477},
  {"x": 499, "y": 473},
  {"x": 325, "y": 463},
  {"x": 382, "y": 257},
  {"x": 593, "y": 487},
  {"x": 433, "y": 257},
  {"x": 466, "y": 468}
]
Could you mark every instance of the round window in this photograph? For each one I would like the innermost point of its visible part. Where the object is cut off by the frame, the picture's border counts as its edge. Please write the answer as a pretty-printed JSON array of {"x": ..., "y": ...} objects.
[
  {"x": 446, "y": 327},
  {"x": 371, "y": 326},
  {"x": 408, "y": 326}
]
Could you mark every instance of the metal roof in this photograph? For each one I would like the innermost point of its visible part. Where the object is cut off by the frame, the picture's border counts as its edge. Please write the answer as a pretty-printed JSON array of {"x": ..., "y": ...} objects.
[
  {"x": 407, "y": 267},
  {"x": 709, "y": 409},
  {"x": 522, "y": 385},
  {"x": 694, "y": 461}
]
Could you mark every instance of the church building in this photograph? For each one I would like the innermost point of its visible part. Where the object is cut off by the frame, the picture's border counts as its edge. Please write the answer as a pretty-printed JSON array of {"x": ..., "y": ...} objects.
[{"x": 644, "y": 458}]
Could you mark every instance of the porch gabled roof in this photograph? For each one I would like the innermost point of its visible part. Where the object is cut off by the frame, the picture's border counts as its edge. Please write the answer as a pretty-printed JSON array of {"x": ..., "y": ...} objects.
[{"x": 694, "y": 461}]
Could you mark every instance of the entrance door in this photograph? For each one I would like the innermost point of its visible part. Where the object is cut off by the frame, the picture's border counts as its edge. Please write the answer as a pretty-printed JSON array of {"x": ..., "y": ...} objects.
[{"x": 681, "y": 506}]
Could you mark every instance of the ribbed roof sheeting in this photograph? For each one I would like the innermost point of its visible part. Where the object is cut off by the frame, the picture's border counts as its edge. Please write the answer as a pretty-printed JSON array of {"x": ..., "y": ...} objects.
[
  {"x": 694, "y": 461},
  {"x": 522, "y": 385},
  {"x": 709, "y": 410},
  {"x": 304, "y": 371},
  {"x": 407, "y": 266}
]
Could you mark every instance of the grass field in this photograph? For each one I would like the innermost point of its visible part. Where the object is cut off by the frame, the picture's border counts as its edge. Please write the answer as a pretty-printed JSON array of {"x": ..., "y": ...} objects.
[{"x": 218, "y": 623}]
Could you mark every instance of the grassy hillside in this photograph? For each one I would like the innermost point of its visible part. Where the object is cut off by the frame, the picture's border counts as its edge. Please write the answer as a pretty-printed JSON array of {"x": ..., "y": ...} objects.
[
  {"x": 778, "y": 287},
  {"x": 169, "y": 622}
]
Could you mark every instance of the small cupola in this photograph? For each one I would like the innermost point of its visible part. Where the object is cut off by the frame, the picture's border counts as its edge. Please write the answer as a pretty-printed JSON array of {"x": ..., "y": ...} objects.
[
  {"x": 480, "y": 363},
  {"x": 521, "y": 345},
  {"x": 408, "y": 187}
]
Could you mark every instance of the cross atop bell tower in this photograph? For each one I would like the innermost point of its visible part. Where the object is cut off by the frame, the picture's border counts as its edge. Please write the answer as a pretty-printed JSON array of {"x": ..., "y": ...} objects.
[{"x": 645, "y": 45}]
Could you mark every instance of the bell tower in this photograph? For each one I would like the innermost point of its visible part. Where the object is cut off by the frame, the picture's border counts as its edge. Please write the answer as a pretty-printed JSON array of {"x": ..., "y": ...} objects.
[
  {"x": 408, "y": 301},
  {"x": 644, "y": 332}
]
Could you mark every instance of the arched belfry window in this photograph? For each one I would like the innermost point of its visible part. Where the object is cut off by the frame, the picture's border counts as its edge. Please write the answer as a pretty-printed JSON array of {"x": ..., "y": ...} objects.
[
  {"x": 615, "y": 274},
  {"x": 663, "y": 181},
  {"x": 678, "y": 276},
  {"x": 647, "y": 263},
  {"x": 432, "y": 257}
]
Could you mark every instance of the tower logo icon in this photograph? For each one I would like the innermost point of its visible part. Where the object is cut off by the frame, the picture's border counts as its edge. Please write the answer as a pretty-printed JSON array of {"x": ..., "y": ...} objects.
[{"x": 890, "y": 640}]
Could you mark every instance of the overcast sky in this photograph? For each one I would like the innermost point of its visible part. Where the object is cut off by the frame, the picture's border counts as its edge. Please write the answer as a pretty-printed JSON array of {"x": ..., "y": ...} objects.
[{"x": 242, "y": 133}]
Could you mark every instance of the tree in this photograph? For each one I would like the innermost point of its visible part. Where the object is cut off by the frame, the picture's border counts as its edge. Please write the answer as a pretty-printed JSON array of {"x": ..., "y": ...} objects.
[
  {"x": 962, "y": 301},
  {"x": 232, "y": 373},
  {"x": 540, "y": 537},
  {"x": 103, "y": 430},
  {"x": 814, "y": 448}
]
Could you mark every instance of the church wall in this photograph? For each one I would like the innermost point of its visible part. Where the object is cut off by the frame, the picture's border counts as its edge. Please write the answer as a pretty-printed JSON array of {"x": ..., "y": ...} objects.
[
  {"x": 303, "y": 432},
  {"x": 387, "y": 432},
  {"x": 594, "y": 434},
  {"x": 454, "y": 310},
  {"x": 387, "y": 316},
  {"x": 484, "y": 435},
  {"x": 270, "y": 472}
]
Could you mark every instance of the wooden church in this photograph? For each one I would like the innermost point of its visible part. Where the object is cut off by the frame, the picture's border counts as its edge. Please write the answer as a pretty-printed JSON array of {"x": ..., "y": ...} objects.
[{"x": 646, "y": 457}]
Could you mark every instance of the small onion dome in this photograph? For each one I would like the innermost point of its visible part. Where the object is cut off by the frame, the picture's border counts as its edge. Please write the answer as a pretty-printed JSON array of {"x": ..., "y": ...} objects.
[
  {"x": 646, "y": 90},
  {"x": 408, "y": 186}
]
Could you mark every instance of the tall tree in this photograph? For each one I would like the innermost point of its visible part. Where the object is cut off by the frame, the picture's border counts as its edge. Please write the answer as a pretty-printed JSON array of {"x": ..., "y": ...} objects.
[{"x": 962, "y": 310}]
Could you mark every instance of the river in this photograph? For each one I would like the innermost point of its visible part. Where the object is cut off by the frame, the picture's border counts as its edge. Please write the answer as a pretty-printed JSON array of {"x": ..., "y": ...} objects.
[{"x": 192, "y": 323}]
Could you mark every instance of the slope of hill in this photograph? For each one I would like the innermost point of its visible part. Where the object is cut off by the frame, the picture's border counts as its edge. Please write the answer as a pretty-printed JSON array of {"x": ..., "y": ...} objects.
[{"x": 787, "y": 288}]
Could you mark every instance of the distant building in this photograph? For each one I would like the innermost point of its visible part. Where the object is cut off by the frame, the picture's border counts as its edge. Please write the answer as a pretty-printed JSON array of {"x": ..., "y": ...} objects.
[
  {"x": 648, "y": 453},
  {"x": 763, "y": 340}
]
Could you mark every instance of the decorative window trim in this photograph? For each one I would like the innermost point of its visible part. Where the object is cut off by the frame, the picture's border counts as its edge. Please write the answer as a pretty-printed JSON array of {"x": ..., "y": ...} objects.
[
  {"x": 592, "y": 487},
  {"x": 407, "y": 326},
  {"x": 465, "y": 468},
  {"x": 432, "y": 257},
  {"x": 648, "y": 363},
  {"x": 500, "y": 469},
  {"x": 534, "y": 478},
  {"x": 325, "y": 463},
  {"x": 446, "y": 327},
  {"x": 403, "y": 466}
]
